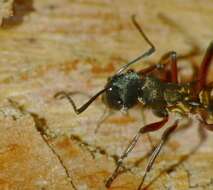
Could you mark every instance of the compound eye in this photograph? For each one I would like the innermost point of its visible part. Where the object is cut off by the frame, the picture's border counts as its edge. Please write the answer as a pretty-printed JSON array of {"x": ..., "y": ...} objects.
[{"x": 113, "y": 98}]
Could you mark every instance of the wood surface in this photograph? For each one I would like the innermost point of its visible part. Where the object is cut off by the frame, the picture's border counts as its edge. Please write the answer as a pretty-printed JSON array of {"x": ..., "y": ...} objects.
[
  {"x": 5, "y": 9},
  {"x": 74, "y": 45}
]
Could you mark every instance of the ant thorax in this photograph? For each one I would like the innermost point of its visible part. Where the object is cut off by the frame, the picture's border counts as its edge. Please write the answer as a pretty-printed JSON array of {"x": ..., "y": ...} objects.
[
  {"x": 158, "y": 95},
  {"x": 151, "y": 91},
  {"x": 154, "y": 91},
  {"x": 122, "y": 90}
]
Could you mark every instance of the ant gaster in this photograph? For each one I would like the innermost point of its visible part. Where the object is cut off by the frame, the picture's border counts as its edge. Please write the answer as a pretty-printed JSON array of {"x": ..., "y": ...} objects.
[{"x": 127, "y": 88}]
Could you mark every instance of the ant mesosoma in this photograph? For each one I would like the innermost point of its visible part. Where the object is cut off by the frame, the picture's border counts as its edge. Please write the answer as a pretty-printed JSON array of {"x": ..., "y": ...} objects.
[{"x": 127, "y": 88}]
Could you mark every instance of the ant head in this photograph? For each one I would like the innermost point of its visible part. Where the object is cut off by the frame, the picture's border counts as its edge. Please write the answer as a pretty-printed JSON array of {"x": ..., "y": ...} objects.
[{"x": 122, "y": 90}]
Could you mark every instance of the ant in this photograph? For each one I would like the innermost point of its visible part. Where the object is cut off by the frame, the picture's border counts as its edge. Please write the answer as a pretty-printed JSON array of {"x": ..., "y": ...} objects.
[{"x": 127, "y": 88}]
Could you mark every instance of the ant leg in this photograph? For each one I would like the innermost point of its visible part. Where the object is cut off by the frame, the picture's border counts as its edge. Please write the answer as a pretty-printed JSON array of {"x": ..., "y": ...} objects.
[
  {"x": 106, "y": 114},
  {"x": 156, "y": 151},
  {"x": 168, "y": 58},
  {"x": 147, "y": 70},
  {"x": 202, "y": 74},
  {"x": 84, "y": 106},
  {"x": 148, "y": 135},
  {"x": 171, "y": 58},
  {"x": 204, "y": 124},
  {"x": 147, "y": 128}
]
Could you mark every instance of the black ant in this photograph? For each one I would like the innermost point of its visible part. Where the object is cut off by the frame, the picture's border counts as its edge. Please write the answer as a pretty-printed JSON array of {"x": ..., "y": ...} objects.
[{"x": 127, "y": 88}]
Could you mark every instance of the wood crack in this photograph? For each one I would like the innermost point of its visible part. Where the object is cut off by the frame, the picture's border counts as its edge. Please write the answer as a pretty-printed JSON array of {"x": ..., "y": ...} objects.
[
  {"x": 92, "y": 149},
  {"x": 41, "y": 127}
]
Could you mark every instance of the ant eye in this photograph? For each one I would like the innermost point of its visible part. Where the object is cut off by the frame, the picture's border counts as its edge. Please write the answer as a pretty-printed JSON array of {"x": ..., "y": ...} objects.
[{"x": 113, "y": 97}]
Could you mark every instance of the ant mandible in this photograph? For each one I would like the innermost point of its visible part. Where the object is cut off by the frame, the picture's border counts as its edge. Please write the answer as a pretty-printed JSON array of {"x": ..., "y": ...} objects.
[{"x": 127, "y": 88}]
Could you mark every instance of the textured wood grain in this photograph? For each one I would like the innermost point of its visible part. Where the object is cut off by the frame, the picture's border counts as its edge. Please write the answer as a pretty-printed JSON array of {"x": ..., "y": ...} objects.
[
  {"x": 74, "y": 46},
  {"x": 5, "y": 9}
]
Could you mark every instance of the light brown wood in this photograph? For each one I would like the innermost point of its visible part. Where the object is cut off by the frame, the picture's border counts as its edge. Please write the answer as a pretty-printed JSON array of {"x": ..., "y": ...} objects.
[
  {"x": 54, "y": 45},
  {"x": 5, "y": 9}
]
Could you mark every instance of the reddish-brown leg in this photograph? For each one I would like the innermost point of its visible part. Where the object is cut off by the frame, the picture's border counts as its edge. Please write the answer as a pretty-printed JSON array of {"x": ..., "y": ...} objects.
[
  {"x": 202, "y": 74},
  {"x": 148, "y": 128},
  {"x": 156, "y": 151},
  {"x": 171, "y": 58},
  {"x": 147, "y": 70},
  {"x": 168, "y": 58},
  {"x": 206, "y": 125}
]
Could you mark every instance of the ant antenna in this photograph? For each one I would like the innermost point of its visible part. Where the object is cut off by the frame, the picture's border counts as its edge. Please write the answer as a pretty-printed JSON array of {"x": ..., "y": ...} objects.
[
  {"x": 84, "y": 106},
  {"x": 147, "y": 53}
]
